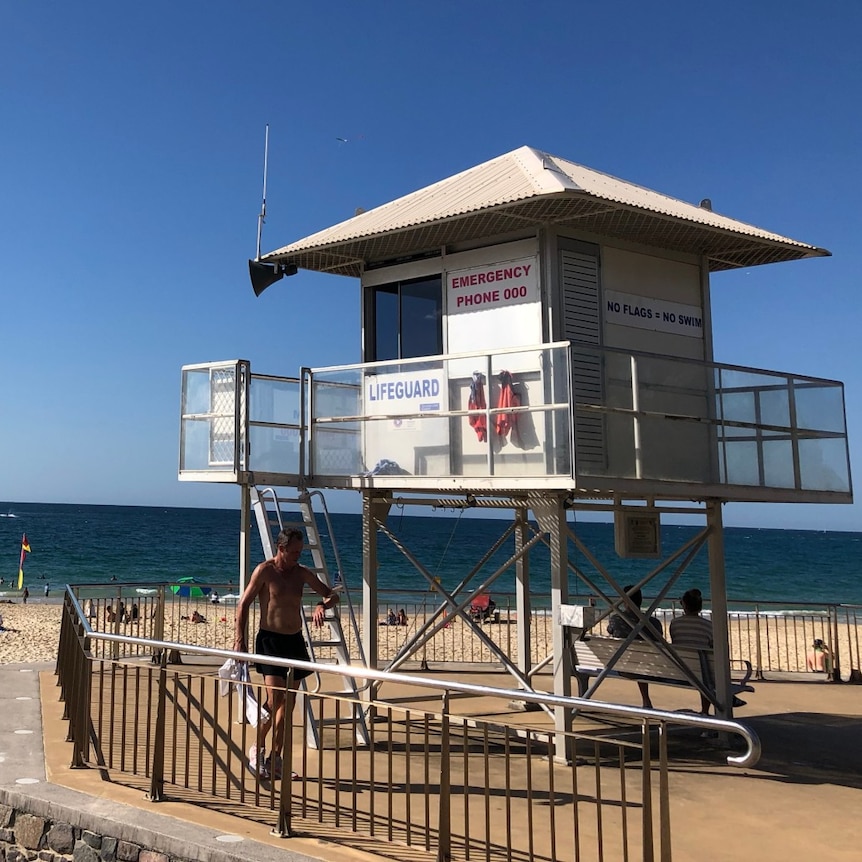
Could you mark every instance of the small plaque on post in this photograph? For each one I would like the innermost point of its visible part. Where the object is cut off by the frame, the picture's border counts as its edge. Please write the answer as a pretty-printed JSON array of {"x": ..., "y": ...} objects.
[{"x": 637, "y": 533}]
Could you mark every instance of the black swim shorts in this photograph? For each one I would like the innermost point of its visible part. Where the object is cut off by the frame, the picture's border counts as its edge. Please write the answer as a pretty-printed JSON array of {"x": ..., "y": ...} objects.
[{"x": 281, "y": 646}]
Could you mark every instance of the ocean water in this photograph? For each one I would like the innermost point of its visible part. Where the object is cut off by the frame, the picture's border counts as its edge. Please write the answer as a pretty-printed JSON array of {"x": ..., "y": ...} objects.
[{"x": 85, "y": 544}]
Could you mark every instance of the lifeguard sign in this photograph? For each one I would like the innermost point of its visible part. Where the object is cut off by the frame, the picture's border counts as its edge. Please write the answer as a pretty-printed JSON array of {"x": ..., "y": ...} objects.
[{"x": 407, "y": 399}]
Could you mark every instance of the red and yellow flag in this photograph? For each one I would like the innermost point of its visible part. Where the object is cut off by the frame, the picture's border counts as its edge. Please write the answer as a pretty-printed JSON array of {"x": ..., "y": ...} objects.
[{"x": 25, "y": 549}]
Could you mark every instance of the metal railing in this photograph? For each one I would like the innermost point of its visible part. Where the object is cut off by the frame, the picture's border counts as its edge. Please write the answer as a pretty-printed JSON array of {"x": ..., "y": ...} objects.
[
  {"x": 439, "y": 780},
  {"x": 779, "y": 636},
  {"x": 774, "y": 636},
  {"x": 581, "y": 413}
]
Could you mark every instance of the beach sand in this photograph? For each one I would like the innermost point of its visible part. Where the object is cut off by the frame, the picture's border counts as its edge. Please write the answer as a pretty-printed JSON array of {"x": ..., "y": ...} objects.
[
  {"x": 32, "y": 632},
  {"x": 771, "y": 642}
]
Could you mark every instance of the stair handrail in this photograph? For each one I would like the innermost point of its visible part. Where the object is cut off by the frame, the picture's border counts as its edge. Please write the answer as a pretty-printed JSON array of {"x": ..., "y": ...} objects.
[{"x": 340, "y": 576}]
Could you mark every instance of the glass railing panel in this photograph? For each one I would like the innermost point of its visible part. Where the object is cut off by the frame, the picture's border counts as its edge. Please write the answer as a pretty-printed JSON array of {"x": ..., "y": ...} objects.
[
  {"x": 673, "y": 386},
  {"x": 210, "y": 416},
  {"x": 612, "y": 456},
  {"x": 778, "y": 463},
  {"x": 676, "y": 451},
  {"x": 741, "y": 463},
  {"x": 628, "y": 415},
  {"x": 336, "y": 397},
  {"x": 502, "y": 414},
  {"x": 196, "y": 391},
  {"x": 519, "y": 440},
  {"x": 274, "y": 425},
  {"x": 336, "y": 451},
  {"x": 819, "y": 406},
  {"x": 195, "y": 445},
  {"x": 737, "y": 407},
  {"x": 274, "y": 450},
  {"x": 671, "y": 419},
  {"x": 274, "y": 399},
  {"x": 823, "y": 464},
  {"x": 775, "y": 407}
]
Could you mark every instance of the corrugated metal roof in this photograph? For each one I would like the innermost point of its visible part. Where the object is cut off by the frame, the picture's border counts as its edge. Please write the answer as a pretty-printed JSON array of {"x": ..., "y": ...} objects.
[{"x": 528, "y": 188}]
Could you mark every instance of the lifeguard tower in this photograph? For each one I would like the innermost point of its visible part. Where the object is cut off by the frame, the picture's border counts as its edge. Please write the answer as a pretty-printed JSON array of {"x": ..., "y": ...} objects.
[{"x": 535, "y": 336}]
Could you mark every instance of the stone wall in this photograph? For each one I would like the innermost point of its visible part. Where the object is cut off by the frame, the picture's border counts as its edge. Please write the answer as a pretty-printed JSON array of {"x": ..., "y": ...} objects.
[{"x": 27, "y": 837}]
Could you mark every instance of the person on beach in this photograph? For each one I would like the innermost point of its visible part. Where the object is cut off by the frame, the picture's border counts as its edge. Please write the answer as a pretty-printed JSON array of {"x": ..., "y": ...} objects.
[
  {"x": 25, "y": 595},
  {"x": 391, "y": 619},
  {"x": 402, "y": 617},
  {"x": 278, "y": 585},
  {"x": 621, "y": 625},
  {"x": 820, "y": 658},
  {"x": 692, "y": 630},
  {"x": 47, "y": 590}
]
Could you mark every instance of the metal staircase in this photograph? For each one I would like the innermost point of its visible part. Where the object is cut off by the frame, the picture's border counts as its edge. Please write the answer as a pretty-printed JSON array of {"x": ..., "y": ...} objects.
[{"x": 326, "y": 644}]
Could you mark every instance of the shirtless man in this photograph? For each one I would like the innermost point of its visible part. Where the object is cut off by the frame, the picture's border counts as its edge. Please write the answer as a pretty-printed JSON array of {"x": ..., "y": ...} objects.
[{"x": 278, "y": 584}]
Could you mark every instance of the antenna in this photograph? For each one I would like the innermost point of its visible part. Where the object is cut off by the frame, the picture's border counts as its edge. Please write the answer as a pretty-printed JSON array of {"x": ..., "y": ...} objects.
[
  {"x": 262, "y": 217},
  {"x": 264, "y": 274}
]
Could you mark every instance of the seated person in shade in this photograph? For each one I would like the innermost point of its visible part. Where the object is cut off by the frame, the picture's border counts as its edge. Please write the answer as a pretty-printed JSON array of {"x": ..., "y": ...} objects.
[
  {"x": 692, "y": 630},
  {"x": 621, "y": 624},
  {"x": 820, "y": 658}
]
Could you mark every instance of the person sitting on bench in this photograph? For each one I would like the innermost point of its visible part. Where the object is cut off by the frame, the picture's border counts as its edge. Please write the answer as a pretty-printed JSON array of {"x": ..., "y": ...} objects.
[
  {"x": 692, "y": 630},
  {"x": 621, "y": 625}
]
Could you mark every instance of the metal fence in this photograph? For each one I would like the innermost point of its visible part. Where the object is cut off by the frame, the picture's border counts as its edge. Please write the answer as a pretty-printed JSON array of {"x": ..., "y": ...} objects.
[
  {"x": 775, "y": 637},
  {"x": 426, "y": 775}
]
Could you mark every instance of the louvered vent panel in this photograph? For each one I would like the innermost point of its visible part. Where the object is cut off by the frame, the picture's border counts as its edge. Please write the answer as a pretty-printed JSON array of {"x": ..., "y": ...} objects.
[{"x": 582, "y": 326}]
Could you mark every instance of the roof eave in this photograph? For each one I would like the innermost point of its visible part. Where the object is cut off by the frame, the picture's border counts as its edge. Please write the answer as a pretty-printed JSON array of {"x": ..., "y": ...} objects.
[{"x": 349, "y": 255}]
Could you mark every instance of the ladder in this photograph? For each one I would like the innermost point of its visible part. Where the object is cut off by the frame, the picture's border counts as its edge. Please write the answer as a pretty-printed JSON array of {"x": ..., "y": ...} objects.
[{"x": 269, "y": 510}]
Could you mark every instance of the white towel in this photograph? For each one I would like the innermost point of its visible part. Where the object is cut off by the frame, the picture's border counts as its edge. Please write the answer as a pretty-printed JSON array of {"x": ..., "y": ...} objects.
[
  {"x": 236, "y": 672},
  {"x": 230, "y": 671}
]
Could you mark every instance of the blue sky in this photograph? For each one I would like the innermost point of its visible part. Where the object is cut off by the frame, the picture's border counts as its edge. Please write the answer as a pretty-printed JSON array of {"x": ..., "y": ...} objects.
[{"x": 131, "y": 140}]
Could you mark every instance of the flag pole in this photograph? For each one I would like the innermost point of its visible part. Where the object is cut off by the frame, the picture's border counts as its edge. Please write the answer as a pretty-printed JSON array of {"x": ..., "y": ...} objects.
[{"x": 25, "y": 549}]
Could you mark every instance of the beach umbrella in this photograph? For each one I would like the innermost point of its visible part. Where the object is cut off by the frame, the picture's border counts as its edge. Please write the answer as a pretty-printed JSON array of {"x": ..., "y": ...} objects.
[{"x": 189, "y": 588}]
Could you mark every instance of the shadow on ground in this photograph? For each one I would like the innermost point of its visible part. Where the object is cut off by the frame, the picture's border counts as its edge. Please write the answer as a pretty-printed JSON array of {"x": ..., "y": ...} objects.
[
  {"x": 799, "y": 747},
  {"x": 811, "y": 747}
]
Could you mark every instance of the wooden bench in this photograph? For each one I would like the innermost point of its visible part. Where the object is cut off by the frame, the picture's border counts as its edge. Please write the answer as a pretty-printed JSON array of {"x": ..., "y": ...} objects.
[{"x": 642, "y": 660}]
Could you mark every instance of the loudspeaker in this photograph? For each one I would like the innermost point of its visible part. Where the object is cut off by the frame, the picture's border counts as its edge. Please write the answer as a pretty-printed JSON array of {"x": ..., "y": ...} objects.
[{"x": 264, "y": 274}]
